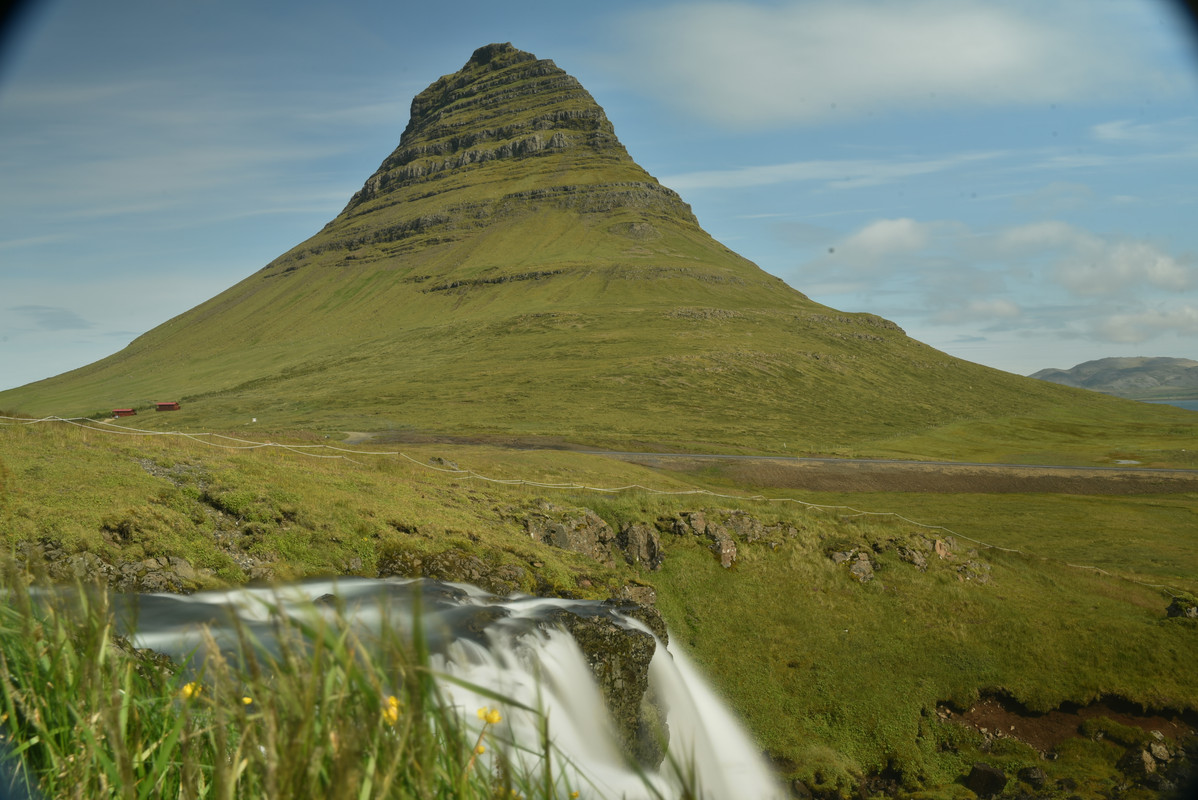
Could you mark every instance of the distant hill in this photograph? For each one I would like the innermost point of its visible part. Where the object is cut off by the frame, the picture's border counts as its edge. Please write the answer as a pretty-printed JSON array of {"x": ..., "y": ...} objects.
[
  {"x": 510, "y": 272},
  {"x": 1139, "y": 378}
]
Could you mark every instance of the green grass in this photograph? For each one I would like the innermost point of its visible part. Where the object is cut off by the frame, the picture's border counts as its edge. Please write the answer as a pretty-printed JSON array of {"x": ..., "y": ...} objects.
[
  {"x": 835, "y": 678},
  {"x": 1127, "y": 431},
  {"x": 90, "y": 717},
  {"x": 861, "y": 665}
]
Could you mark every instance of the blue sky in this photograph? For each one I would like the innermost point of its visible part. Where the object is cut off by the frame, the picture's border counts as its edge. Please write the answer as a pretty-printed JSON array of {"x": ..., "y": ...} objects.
[{"x": 1014, "y": 183}]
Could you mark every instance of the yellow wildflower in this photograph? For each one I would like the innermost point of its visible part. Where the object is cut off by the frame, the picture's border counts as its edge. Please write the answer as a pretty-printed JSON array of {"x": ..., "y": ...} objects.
[
  {"x": 573, "y": 795},
  {"x": 480, "y": 749},
  {"x": 493, "y": 717},
  {"x": 190, "y": 690},
  {"x": 391, "y": 709},
  {"x": 246, "y": 700}
]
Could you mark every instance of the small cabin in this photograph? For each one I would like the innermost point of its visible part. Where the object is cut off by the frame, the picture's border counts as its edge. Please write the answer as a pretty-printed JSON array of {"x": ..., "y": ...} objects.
[
  {"x": 173, "y": 406},
  {"x": 124, "y": 412}
]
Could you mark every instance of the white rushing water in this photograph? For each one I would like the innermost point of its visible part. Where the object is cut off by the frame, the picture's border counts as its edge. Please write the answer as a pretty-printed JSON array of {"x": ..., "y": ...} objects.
[{"x": 506, "y": 646}]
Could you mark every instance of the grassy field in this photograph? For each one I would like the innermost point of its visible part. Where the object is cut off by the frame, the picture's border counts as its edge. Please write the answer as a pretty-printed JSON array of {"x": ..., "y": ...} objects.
[{"x": 836, "y": 678}]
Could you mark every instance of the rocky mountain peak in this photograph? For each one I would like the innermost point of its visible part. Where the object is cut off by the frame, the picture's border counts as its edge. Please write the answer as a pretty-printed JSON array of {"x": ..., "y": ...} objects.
[
  {"x": 503, "y": 104},
  {"x": 498, "y": 54}
]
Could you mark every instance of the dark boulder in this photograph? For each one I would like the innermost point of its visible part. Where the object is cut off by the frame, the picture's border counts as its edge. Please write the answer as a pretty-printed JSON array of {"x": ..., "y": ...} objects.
[
  {"x": 157, "y": 574},
  {"x": 1033, "y": 777},
  {"x": 985, "y": 780},
  {"x": 745, "y": 526},
  {"x": 1182, "y": 607}
]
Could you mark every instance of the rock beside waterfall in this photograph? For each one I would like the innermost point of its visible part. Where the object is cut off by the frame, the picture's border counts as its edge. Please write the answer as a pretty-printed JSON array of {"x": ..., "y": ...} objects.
[
  {"x": 157, "y": 574},
  {"x": 619, "y": 659}
]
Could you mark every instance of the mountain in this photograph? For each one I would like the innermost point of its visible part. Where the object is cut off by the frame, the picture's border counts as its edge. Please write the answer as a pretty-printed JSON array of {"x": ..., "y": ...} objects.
[
  {"x": 510, "y": 271},
  {"x": 1139, "y": 377}
]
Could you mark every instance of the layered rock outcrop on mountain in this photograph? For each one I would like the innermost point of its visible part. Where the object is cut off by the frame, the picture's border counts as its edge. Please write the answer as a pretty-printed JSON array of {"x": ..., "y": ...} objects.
[{"x": 504, "y": 110}]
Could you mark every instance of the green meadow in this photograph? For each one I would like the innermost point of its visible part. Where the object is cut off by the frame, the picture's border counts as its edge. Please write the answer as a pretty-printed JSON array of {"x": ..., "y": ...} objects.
[{"x": 836, "y": 679}]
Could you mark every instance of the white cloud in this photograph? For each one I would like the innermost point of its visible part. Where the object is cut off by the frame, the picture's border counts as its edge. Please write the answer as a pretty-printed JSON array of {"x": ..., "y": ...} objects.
[
  {"x": 1099, "y": 266},
  {"x": 839, "y": 174},
  {"x": 35, "y": 241},
  {"x": 1091, "y": 265},
  {"x": 1126, "y": 131},
  {"x": 800, "y": 62},
  {"x": 1037, "y": 236},
  {"x": 887, "y": 237},
  {"x": 1048, "y": 281},
  {"x": 888, "y": 247},
  {"x": 1144, "y": 325}
]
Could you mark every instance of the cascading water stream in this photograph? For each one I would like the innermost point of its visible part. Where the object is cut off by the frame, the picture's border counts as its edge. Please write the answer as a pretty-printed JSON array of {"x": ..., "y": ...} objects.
[{"x": 514, "y": 646}]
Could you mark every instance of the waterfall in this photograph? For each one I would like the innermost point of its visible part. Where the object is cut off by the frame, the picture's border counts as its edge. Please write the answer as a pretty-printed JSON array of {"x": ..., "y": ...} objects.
[{"x": 515, "y": 646}]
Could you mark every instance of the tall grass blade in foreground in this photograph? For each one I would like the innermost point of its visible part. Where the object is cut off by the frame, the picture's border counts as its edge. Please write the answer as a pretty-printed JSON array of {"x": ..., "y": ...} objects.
[{"x": 320, "y": 713}]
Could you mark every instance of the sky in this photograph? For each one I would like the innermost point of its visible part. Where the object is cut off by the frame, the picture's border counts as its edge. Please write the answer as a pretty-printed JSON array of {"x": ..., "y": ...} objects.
[{"x": 1013, "y": 183}]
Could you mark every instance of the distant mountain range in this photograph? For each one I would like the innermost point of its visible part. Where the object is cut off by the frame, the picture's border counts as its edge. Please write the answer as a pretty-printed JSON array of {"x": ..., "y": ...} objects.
[{"x": 1138, "y": 378}]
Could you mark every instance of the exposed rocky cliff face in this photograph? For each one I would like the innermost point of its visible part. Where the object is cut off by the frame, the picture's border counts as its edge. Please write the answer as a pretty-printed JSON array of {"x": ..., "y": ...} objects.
[{"x": 505, "y": 109}]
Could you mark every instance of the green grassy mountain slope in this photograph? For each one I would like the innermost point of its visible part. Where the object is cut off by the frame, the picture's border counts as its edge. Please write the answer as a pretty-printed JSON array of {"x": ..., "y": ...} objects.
[{"x": 510, "y": 270}]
